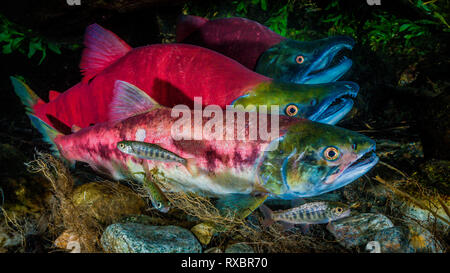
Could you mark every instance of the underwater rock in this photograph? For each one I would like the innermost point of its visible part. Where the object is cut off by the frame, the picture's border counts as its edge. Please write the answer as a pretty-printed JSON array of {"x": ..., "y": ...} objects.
[
  {"x": 213, "y": 250},
  {"x": 204, "y": 232},
  {"x": 357, "y": 230},
  {"x": 412, "y": 211},
  {"x": 138, "y": 238},
  {"x": 421, "y": 239},
  {"x": 393, "y": 240},
  {"x": 239, "y": 248},
  {"x": 106, "y": 199}
]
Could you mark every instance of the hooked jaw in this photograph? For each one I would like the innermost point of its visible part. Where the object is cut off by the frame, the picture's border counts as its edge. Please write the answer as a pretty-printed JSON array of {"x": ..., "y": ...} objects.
[
  {"x": 329, "y": 67},
  {"x": 334, "y": 108},
  {"x": 361, "y": 165}
]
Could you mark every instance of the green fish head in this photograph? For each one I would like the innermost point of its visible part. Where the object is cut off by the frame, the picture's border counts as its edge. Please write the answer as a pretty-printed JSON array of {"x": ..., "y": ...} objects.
[
  {"x": 125, "y": 147},
  {"x": 307, "y": 62},
  {"x": 313, "y": 158},
  {"x": 326, "y": 103},
  {"x": 337, "y": 210}
]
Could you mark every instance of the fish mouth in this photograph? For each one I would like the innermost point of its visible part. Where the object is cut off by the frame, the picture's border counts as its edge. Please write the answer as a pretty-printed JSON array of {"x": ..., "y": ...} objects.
[
  {"x": 331, "y": 65},
  {"x": 334, "y": 109},
  {"x": 357, "y": 169}
]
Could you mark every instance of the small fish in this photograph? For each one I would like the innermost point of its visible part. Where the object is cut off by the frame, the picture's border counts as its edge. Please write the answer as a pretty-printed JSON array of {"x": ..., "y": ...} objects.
[
  {"x": 310, "y": 213},
  {"x": 157, "y": 197},
  {"x": 152, "y": 151}
]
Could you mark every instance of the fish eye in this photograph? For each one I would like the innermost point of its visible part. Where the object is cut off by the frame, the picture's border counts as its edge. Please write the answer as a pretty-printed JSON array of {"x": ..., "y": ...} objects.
[
  {"x": 313, "y": 102},
  {"x": 121, "y": 145},
  {"x": 331, "y": 153},
  {"x": 300, "y": 59},
  {"x": 159, "y": 205},
  {"x": 291, "y": 110},
  {"x": 338, "y": 210}
]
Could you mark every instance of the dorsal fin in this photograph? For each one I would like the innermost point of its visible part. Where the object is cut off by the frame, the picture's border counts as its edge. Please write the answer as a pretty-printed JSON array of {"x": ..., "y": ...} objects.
[
  {"x": 102, "y": 49},
  {"x": 128, "y": 101},
  {"x": 52, "y": 95},
  {"x": 187, "y": 24}
]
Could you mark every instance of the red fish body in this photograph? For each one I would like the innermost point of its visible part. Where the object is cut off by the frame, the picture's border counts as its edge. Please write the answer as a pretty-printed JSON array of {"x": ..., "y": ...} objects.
[
  {"x": 289, "y": 160},
  {"x": 172, "y": 74},
  {"x": 241, "y": 39},
  {"x": 228, "y": 166},
  {"x": 264, "y": 51},
  {"x": 169, "y": 73}
]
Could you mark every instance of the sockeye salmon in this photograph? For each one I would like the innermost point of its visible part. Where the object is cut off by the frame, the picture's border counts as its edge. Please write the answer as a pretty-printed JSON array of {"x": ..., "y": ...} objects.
[
  {"x": 305, "y": 158},
  {"x": 175, "y": 74},
  {"x": 264, "y": 51}
]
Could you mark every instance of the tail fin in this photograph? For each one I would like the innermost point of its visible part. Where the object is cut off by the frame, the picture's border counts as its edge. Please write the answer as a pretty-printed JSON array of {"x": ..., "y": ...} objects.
[
  {"x": 26, "y": 95},
  {"x": 267, "y": 213},
  {"x": 49, "y": 134}
]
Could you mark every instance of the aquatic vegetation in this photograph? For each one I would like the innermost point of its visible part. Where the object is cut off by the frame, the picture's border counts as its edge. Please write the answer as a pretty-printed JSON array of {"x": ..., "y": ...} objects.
[
  {"x": 67, "y": 213},
  {"x": 14, "y": 38},
  {"x": 382, "y": 30}
]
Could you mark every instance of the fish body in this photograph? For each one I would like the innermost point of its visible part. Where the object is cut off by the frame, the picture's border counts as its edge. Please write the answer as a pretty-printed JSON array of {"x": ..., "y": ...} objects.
[
  {"x": 264, "y": 51},
  {"x": 241, "y": 39},
  {"x": 301, "y": 158},
  {"x": 157, "y": 197},
  {"x": 172, "y": 74},
  {"x": 149, "y": 151},
  {"x": 310, "y": 213}
]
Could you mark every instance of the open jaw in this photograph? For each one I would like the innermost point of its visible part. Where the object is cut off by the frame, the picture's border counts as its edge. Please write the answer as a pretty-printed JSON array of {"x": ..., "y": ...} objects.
[
  {"x": 333, "y": 110},
  {"x": 330, "y": 66},
  {"x": 358, "y": 168}
]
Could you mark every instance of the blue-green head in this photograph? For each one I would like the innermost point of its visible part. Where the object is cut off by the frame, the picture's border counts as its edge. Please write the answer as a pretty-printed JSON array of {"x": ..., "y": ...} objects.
[{"x": 308, "y": 62}]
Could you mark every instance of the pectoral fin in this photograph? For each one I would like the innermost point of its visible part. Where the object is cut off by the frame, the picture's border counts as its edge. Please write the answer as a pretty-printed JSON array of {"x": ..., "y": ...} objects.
[{"x": 242, "y": 205}]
